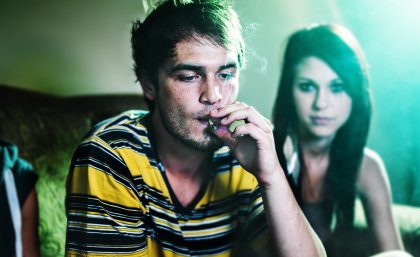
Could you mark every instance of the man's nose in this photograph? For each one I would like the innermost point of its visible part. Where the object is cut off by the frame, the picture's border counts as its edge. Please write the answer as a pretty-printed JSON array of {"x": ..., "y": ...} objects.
[{"x": 211, "y": 93}]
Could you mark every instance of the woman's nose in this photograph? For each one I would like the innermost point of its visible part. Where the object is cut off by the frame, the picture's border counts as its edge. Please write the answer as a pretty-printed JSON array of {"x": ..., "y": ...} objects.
[{"x": 321, "y": 100}]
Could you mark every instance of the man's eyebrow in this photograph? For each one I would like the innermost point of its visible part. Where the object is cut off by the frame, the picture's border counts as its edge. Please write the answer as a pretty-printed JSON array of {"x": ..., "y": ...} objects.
[
  {"x": 228, "y": 66},
  {"x": 197, "y": 68},
  {"x": 189, "y": 67}
]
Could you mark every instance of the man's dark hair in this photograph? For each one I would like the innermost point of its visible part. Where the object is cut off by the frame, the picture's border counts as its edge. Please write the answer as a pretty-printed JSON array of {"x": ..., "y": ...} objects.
[{"x": 154, "y": 40}]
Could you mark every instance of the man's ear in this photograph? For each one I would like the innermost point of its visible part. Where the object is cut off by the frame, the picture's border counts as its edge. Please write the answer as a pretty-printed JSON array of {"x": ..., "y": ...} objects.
[{"x": 149, "y": 89}]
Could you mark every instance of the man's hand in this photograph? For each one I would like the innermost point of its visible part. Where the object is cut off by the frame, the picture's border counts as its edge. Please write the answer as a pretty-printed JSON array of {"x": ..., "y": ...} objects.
[
  {"x": 252, "y": 142},
  {"x": 253, "y": 145}
]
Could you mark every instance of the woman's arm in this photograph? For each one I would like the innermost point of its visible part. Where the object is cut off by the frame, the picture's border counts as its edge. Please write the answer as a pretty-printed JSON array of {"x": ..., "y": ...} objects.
[
  {"x": 30, "y": 240},
  {"x": 376, "y": 193}
]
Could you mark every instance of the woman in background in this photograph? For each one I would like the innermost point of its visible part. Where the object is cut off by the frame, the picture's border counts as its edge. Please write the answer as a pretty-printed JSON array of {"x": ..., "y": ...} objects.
[{"x": 321, "y": 117}]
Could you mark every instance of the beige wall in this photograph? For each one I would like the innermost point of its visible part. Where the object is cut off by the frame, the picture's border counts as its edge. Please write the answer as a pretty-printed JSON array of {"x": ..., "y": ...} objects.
[{"x": 67, "y": 47}]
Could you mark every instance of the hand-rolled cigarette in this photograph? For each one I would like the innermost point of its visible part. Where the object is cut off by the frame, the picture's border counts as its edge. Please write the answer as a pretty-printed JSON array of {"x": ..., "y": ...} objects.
[{"x": 214, "y": 124}]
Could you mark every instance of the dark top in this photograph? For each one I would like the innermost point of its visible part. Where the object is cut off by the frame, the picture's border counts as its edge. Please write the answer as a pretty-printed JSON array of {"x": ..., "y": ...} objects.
[
  {"x": 25, "y": 179},
  {"x": 319, "y": 216}
]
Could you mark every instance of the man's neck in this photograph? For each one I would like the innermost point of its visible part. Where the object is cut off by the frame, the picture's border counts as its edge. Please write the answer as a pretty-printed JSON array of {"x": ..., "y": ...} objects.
[
  {"x": 186, "y": 168},
  {"x": 176, "y": 156}
]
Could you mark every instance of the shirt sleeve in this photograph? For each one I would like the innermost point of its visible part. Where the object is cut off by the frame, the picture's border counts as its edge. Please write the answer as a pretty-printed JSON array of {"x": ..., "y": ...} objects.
[
  {"x": 105, "y": 216},
  {"x": 255, "y": 231}
]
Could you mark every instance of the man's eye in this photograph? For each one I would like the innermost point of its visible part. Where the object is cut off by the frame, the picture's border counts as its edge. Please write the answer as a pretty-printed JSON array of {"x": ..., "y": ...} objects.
[
  {"x": 226, "y": 76},
  {"x": 337, "y": 87},
  {"x": 188, "y": 78},
  {"x": 306, "y": 86}
]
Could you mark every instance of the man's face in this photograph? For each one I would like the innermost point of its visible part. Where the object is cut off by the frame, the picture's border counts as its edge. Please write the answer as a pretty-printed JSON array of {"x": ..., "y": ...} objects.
[{"x": 202, "y": 76}]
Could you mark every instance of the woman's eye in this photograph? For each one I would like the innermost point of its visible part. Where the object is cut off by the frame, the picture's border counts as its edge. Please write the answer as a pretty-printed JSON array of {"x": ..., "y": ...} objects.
[
  {"x": 337, "y": 87},
  {"x": 306, "y": 86}
]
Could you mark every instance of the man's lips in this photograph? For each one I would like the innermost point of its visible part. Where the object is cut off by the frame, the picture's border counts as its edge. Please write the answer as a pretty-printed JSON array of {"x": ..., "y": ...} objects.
[
  {"x": 204, "y": 120},
  {"x": 211, "y": 123}
]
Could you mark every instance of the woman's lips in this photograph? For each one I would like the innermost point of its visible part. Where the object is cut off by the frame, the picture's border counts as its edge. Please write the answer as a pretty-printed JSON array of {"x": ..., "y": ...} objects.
[{"x": 320, "y": 120}]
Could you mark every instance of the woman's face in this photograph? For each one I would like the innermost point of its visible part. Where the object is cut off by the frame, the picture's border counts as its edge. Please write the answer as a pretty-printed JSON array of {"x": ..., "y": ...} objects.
[{"x": 322, "y": 104}]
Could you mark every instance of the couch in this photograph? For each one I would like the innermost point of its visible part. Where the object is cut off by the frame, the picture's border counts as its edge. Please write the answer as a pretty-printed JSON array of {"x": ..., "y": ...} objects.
[{"x": 47, "y": 129}]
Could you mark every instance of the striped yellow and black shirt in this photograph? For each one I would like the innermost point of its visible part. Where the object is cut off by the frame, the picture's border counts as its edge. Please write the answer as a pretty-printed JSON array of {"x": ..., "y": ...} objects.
[{"x": 119, "y": 201}]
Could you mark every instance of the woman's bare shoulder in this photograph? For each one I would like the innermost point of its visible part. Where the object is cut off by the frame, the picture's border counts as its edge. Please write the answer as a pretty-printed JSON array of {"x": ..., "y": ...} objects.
[
  {"x": 373, "y": 176},
  {"x": 372, "y": 164}
]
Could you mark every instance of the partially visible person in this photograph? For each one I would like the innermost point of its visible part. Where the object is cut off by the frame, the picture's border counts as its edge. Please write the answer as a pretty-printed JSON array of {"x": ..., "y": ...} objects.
[
  {"x": 18, "y": 205},
  {"x": 176, "y": 181},
  {"x": 321, "y": 117}
]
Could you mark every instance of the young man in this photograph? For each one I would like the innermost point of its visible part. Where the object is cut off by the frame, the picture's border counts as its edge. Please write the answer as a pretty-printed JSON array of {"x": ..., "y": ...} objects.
[{"x": 176, "y": 181}]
